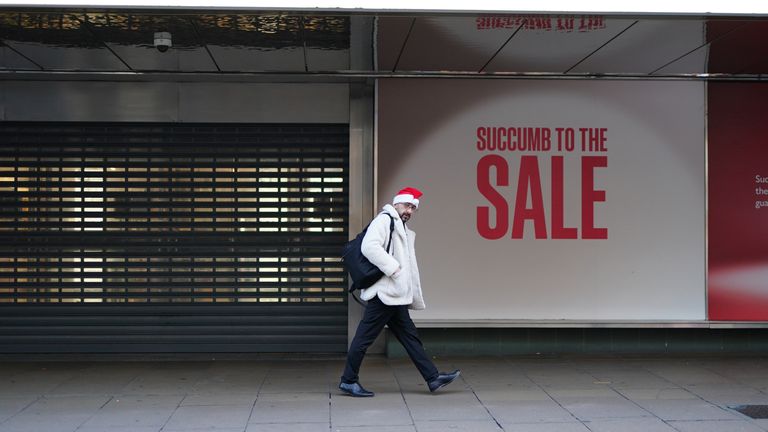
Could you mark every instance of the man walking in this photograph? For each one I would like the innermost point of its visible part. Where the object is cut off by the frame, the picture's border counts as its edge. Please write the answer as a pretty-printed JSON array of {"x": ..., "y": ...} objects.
[{"x": 390, "y": 298}]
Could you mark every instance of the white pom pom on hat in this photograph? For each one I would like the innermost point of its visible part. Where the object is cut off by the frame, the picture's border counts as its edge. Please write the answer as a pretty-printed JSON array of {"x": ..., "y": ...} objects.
[{"x": 408, "y": 195}]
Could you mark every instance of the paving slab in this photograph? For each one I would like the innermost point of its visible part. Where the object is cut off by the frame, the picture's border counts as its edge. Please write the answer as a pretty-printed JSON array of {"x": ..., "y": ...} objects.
[
  {"x": 134, "y": 411},
  {"x": 459, "y": 426},
  {"x": 218, "y": 398},
  {"x": 489, "y": 395},
  {"x": 119, "y": 429},
  {"x": 163, "y": 382},
  {"x": 33, "y": 382},
  {"x": 601, "y": 391},
  {"x": 535, "y": 411},
  {"x": 645, "y": 424},
  {"x": 761, "y": 423},
  {"x": 545, "y": 427},
  {"x": 495, "y": 378},
  {"x": 657, "y": 394},
  {"x": 249, "y": 383},
  {"x": 590, "y": 408},
  {"x": 736, "y": 394},
  {"x": 11, "y": 368},
  {"x": 686, "y": 409},
  {"x": 375, "y": 429},
  {"x": 63, "y": 414},
  {"x": 191, "y": 418},
  {"x": 381, "y": 410},
  {"x": 288, "y": 427},
  {"x": 716, "y": 426},
  {"x": 446, "y": 406},
  {"x": 288, "y": 384},
  {"x": 91, "y": 382},
  {"x": 12, "y": 406},
  {"x": 298, "y": 407}
]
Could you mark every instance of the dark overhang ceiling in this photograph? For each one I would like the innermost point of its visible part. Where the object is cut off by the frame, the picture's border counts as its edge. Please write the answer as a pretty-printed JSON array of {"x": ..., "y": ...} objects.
[
  {"x": 201, "y": 43},
  {"x": 569, "y": 45},
  {"x": 566, "y": 45}
]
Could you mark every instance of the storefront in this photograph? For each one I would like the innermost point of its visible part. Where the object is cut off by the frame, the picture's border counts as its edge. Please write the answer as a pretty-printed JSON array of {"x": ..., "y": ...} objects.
[{"x": 182, "y": 180}]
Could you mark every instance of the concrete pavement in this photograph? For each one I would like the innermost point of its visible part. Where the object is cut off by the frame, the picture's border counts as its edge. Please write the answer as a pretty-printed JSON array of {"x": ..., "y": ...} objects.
[{"x": 298, "y": 394}]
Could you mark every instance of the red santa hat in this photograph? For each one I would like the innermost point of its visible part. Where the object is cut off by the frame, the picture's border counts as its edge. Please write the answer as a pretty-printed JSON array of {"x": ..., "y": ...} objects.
[{"x": 408, "y": 195}]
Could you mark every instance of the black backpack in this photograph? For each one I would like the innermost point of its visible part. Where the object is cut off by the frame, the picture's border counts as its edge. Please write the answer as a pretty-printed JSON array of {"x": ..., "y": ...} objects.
[{"x": 363, "y": 273}]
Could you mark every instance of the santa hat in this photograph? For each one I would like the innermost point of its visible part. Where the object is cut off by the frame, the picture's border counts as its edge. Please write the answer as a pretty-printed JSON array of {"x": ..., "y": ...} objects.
[{"x": 407, "y": 195}]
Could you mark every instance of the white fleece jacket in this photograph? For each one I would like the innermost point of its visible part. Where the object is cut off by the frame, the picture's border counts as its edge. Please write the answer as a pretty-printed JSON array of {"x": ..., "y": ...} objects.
[{"x": 405, "y": 287}]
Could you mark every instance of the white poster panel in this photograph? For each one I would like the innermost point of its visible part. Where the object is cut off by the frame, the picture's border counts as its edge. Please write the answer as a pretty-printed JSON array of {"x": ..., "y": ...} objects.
[{"x": 550, "y": 200}]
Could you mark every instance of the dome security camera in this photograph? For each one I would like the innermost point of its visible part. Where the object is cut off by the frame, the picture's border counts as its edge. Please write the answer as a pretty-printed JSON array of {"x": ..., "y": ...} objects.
[{"x": 163, "y": 41}]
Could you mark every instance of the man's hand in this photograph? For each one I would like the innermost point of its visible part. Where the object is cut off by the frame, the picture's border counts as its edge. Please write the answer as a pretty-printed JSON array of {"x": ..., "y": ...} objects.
[{"x": 396, "y": 273}]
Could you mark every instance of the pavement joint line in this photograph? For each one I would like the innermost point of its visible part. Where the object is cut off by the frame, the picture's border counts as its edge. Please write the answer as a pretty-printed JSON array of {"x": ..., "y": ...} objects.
[
  {"x": 740, "y": 382},
  {"x": 686, "y": 389},
  {"x": 258, "y": 393},
  {"x": 22, "y": 410},
  {"x": 94, "y": 414},
  {"x": 400, "y": 387},
  {"x": 481, "y": 402},
  {"x": 620, "y": 394},
  {"x": 728, "y": 410},
  {"x": 555, "y": 400},
  {"x": 181, "y": 401}
]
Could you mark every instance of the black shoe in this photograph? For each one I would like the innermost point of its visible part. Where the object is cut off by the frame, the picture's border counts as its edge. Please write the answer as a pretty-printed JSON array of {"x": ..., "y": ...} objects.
[
  {"x": 354, "y": 389},
  {"x": 443, "y": 380}
]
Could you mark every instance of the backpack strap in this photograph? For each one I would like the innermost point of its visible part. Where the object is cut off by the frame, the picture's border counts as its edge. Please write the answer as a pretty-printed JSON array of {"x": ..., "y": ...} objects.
[{"x": 391, "y": 229}]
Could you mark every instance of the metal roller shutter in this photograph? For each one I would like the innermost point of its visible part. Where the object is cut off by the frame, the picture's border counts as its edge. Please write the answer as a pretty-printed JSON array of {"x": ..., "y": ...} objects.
[{"x": 146, "y": 237}]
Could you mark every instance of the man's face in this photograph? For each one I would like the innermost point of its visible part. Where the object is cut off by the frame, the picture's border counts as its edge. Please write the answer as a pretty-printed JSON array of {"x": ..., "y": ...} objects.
[{"x": 405, "y": 210}]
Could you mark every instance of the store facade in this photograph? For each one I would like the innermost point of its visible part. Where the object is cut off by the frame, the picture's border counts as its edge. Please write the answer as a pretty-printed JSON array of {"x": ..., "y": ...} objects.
[{"x": 182, "y": 180}]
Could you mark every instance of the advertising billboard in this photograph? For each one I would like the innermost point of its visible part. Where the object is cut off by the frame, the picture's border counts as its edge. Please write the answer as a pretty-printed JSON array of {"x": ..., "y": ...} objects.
[
  {"x": 551, "y": 200},
  {"x": 738, "y": 202}
]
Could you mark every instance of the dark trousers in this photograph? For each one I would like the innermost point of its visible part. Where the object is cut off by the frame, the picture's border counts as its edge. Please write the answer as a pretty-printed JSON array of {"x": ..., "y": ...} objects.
[{"x": 377, "y": 314}]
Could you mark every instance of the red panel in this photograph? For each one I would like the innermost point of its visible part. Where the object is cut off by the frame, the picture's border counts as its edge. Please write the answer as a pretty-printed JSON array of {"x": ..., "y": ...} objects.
[{"x": 738, "y": 229}]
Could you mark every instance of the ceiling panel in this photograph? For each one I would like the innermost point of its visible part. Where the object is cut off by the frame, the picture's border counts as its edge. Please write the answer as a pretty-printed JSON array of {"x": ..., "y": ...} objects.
[
  {"x": 131, "y": 37},
  {"x": 390, "y": 36},
  {"x": 251, "y": 43},
  {"x": 453, "y": 43},
  {"x": 69, "y": 58},
  {"x": 692, "y": 63},
  {"x": 319, "y": 59},
  {"x": 253, "y": 59},
  {"x": 327, "y": 42},
  {"x": 743, "y": 50},
  {"x": 647, "y": 46},
  {"x": 555, "y": 44},
  {"x": 147, "y": 58},
  {"x": 10, "y": 60},
  {"x": 717, "y": 29},
  {"x": 57, "y": 41}
]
